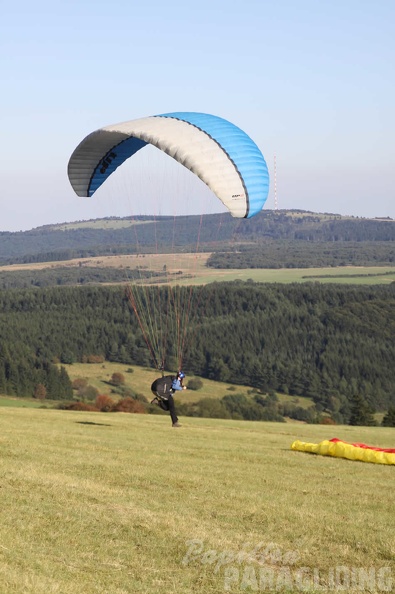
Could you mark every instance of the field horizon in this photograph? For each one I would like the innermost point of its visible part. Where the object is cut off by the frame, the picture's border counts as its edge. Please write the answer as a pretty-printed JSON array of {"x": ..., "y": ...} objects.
[{"x": 191, "y": 269}]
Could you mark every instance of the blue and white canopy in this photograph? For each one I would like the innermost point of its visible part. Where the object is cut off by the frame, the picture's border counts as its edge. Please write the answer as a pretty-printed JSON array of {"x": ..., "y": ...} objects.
[{"x": 218, "y": 152}]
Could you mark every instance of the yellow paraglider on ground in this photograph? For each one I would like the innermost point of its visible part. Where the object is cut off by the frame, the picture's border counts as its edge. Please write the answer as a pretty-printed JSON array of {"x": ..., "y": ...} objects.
[{"x": 351, "y": 451}]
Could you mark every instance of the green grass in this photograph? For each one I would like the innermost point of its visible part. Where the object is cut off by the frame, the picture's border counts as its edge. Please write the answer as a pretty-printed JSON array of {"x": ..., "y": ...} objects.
[
  {"x": 195, "y": 272},
  {"x": 25, "y": 402},
  {"x": 355, "y": 275},
  {"x": 98, "y": 224},
  {"x": 107, "y": 503},
  {"x": 342, "y": 275}
]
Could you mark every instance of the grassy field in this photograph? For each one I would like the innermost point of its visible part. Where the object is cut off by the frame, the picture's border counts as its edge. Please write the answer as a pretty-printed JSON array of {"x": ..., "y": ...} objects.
[
  {"x": 22, "y": 402},
  {"x": 118, "y": 503},
  {"x": 356, "y": 275},
  {"x": 98, "y": 375},
  {"x": 195, "y": 271},
  {"x": 98, "y": 224}
]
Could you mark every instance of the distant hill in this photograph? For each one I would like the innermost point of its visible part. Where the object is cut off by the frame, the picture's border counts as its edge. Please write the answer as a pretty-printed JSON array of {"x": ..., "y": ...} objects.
[{"x": 216, "y": 232}]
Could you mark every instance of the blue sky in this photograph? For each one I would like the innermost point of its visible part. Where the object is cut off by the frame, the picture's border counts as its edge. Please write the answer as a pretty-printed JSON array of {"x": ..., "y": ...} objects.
[{"x": 311, "y": 82}]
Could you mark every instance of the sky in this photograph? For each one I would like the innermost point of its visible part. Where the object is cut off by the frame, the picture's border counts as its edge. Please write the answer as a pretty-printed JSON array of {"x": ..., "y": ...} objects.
[{"x": 311, "y": 82}]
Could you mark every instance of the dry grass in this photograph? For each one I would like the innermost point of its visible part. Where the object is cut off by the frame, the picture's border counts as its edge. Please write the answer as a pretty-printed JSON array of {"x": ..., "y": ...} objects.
[
  {"x": 107, "y": 503},
  {"x": 98, "y": 375},
  {"x": 195, "y": 272}
]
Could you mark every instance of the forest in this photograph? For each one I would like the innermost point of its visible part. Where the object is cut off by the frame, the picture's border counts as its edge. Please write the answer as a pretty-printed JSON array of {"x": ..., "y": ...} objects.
[
  {"x": 299, "y": 254},
  {"x": 328, "y": 342},
  {"x": 332, "y": 343},
  {"x": 217, "y": 232}
]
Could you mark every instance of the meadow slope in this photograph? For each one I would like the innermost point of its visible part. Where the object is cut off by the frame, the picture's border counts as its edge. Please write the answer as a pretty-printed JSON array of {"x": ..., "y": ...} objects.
[{"x": 109, "y": 503}]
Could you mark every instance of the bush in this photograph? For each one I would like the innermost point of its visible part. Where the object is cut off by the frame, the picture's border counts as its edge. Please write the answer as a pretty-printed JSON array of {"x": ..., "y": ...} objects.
[
  {"x": 327, "y": 421},
  {"x": 272, "y": 396},
  {"x": 117, "y": 379},
  {"x": 92, "y": 359},
  {"x": 88, "y": 392},
  {"x": 128, "y": 405},
  {"x": 140, "y": 398},
  {"x": 298, "y": 413},
  {"x": 207, "y": 407},
  {"x": 67, "y": 358},
  {"x": 40, "y": 392},
  {"x": 195, "y": 384},
  {"x": 104, "y": 403},
  {"x": 79, "y": 383}
]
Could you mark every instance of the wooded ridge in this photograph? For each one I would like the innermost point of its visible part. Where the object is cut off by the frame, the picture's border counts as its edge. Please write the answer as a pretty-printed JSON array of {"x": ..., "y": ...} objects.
[{"x": 327, "y": 342}]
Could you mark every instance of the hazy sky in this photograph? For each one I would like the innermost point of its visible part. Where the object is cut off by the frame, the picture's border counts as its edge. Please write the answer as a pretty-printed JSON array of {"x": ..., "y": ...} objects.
[{"x": 311, "y": 81}]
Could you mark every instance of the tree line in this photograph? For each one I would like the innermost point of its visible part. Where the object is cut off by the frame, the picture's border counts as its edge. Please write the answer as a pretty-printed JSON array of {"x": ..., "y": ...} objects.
[
  {"x": 300, "y": 254},
  {"x": 327, "y": 342},
  {"x": 216, "y": 231},
  {"x": 74, "y": 275}
]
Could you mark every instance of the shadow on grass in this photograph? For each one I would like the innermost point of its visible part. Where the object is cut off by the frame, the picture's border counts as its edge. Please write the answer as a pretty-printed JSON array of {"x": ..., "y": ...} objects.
[{"x": 92, "y": 423}]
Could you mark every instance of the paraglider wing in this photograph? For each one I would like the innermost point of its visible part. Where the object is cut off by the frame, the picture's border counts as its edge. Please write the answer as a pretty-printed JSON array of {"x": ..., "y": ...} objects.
[
  {"x": 218, "y": 152},
  {"x": 351, "y": 451}
]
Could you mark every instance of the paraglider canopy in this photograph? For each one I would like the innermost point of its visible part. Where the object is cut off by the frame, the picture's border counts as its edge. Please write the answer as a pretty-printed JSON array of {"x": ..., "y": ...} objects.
[{"x": 223, "y": 156}]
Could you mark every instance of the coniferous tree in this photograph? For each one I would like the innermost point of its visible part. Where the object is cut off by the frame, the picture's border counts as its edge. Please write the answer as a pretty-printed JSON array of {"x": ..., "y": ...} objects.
[
  {"x": 323, "y": 341},
  {"x": 361, "y": 412},
  {"x": 389, "y": 418}
]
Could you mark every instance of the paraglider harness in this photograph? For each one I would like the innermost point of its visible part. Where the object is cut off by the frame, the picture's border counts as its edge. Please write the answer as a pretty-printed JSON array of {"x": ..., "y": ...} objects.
[{"x": 162, "y": 389}]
